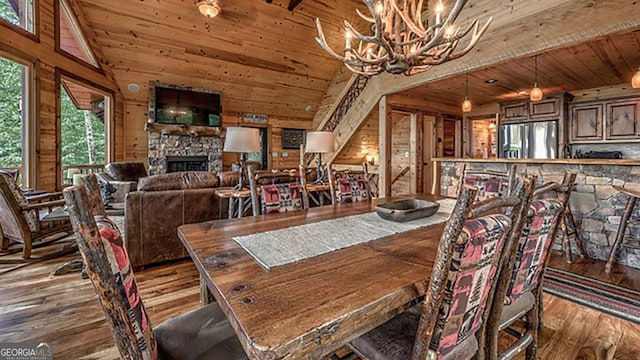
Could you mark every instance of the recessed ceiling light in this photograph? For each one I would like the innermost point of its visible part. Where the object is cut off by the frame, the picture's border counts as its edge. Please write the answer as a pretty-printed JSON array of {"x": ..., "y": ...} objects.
[
  {"x": 133, "y": 87},
  {"x": 491, "y": 81},
  {"x": 308, "y": 108}
]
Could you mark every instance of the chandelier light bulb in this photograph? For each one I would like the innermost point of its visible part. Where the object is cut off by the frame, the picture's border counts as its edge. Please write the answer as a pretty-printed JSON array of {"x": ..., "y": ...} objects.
[
  {"x": 635, "y": 81},
  {"x": 379, "y": 8}
]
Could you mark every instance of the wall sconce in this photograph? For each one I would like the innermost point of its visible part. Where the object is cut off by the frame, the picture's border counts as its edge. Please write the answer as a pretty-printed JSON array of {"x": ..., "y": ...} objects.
[
  {"x": 492, "y": 125},
  {"x": 371, "y": 159}
]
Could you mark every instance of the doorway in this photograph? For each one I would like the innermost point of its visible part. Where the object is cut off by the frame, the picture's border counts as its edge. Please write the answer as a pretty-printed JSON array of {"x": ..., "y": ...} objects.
[{"x": 262, "y": 156}]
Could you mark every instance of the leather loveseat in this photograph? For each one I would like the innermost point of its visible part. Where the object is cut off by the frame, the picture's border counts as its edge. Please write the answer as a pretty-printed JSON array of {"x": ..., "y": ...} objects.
[{"x": 161, "y": 204}]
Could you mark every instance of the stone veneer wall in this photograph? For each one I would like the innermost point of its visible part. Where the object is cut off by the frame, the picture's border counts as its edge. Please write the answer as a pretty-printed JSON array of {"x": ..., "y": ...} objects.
[
  {"x": 595, "y": 204},
  {"x": 163, "y": 145}
]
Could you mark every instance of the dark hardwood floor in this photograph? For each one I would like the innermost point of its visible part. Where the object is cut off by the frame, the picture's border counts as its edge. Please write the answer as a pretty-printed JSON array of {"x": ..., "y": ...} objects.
[{"x": 64, "y": 311}]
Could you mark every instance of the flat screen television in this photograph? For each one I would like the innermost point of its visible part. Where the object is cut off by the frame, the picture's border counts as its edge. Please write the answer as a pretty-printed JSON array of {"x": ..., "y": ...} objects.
[{"x": 187, "y": 107}]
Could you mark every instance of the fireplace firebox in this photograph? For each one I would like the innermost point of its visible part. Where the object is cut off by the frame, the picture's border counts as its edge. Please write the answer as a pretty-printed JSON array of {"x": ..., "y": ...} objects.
[{"x": 187, "y": 163}]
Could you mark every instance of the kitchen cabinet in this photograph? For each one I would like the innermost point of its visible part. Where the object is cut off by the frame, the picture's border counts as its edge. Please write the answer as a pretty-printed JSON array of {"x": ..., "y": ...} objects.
[
  {"x": 586, "y": 122},
  {"x": 622, "y": 120},
  {"x": 515, "y": 111},
  {"x": 544, "y": 109}
]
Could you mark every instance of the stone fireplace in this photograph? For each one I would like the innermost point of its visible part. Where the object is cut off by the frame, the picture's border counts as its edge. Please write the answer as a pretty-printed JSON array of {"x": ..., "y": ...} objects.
[{"x": 183, "y": 149}]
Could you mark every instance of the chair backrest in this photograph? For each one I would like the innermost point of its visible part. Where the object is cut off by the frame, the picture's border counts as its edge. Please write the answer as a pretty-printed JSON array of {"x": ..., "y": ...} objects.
[
  {"x": 464, "y": 278},
  {"x": 348, "y": 186},
  {"x": 372, "y": 181},
  {"x": 277, "y": 191},
  {"x": 107, "y": 263},
  {"x": 14, "y": 220},
  {"x": 14, "y": 173},
  {"x": 526, "y": 267},
  {"x": 489, "y": 183}
]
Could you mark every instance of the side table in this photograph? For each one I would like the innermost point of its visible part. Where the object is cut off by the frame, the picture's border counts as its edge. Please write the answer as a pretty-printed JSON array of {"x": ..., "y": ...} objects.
[{"x": 239, "y": 201}]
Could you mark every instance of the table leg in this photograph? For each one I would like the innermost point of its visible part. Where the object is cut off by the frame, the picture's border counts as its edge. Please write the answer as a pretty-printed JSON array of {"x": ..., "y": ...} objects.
[
  {"x": 232, "y": 204},
  {"x": 206, "y": 297}
]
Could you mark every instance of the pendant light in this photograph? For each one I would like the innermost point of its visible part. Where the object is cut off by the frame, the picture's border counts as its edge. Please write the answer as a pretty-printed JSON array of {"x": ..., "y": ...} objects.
[
  {"x": 536, "y": 93},
  {"x": 466, "y": 104},
  {"x": 209, "y": 8},
  {"x": 635, "y": 81}
]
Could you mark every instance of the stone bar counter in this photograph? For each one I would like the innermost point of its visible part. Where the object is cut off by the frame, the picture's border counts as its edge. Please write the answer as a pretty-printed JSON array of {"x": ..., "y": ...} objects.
[{"x": 596, "y": 205}]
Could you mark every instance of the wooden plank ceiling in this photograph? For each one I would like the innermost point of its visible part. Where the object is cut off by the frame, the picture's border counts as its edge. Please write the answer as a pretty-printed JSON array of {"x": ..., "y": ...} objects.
[
  {"x": 605, "y": 62},
  {"x": 260, "y": 55}
]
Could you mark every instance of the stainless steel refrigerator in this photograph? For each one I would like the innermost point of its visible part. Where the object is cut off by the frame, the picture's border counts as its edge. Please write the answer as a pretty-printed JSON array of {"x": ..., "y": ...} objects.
[{"x": 530, "y": 140}]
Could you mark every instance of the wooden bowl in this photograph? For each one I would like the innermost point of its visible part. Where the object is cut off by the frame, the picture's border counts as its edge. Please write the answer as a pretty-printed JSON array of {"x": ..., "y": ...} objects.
[{"x": 407, "y": 210}]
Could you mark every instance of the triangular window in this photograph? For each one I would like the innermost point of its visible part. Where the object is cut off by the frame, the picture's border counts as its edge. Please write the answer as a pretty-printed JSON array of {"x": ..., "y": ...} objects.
[{"x": 72, "y": 40}]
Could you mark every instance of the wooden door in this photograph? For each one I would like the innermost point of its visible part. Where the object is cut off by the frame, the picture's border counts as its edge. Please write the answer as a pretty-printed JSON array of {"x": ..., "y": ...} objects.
[
  {"x": 622, "y": 120},
  {"x": 428, "y": 152}
]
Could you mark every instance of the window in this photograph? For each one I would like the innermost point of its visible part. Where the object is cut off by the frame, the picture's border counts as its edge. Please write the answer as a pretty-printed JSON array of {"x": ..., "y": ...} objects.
[
  {"x": 70, "y": 37},
  {"x": 19, "y": 13},
  {"x": 84, "y": 119},
  {"x": 263, "y": 156},
  {"x": 14, "y": 109}
]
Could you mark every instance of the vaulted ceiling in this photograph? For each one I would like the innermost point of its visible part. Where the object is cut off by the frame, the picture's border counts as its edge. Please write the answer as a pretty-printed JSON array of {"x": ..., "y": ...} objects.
[{"x": 261, "y": 56}]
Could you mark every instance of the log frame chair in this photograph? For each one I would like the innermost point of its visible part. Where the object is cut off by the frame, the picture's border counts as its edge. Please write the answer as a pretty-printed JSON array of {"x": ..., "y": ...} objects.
[
  {"x": 372, "y": 181},
  {"x": 23, "y": 220},
  {"x": 336, "y": 175},
  {"x": 520, "y": 291},
  {"x": 426, "y": 341},
  {"x": 202, "y": 332},
  {"x": 257, "y": 184}
]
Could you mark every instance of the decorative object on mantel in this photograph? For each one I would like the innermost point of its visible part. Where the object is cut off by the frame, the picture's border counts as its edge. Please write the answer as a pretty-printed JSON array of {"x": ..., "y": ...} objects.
[
  {"x": 466, "y": 104},
  {"x": 536, "y": 93},
  {"x": 292, "y": 138},
  {"x": 255, "y": 118},
  {"x": 320, "y": 142},
  {"x": 242, "y": 140},
  {"x": 403, "y": 42},
  {"x": 635, "y": 80},
  {"x": 209, "y": 8}
]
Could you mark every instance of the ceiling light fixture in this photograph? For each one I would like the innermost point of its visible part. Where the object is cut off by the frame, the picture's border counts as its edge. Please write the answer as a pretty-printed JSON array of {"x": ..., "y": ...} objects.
[
  {"x": 209, "y": 8},
  {"x": 536, "y": 93},
  {"x": 635, "y": 80},
  {"x": 466, "y": 104},
  {"x": 491, "y": 81},
  {"x": 402, "y": 41}
]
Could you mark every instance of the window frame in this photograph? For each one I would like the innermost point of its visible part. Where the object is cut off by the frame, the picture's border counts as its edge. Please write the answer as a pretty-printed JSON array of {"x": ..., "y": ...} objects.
[
  {"x": 109, "y": 113},
  {"x": 29, "y": 136},
  {"x": 57, "y": 12},
  {"x": 35, "y": 35}
]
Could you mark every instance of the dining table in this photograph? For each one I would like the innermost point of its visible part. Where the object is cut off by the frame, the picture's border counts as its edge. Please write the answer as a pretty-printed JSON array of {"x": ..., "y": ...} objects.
[{"x": 310, "y": 308}]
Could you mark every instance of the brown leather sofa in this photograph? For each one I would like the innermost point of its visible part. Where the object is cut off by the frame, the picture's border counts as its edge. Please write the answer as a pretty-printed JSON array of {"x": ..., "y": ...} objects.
[{"x": 161, "y": 204}]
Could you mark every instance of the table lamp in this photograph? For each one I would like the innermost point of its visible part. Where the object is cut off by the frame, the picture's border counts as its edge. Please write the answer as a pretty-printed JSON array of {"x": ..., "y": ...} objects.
[
  {"x": 242, "y": 140},
  {"x": 320, "y": 142}
]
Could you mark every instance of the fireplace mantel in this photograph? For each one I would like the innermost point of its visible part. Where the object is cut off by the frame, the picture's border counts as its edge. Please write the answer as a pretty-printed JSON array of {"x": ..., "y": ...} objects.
[{"x": 181, "y": 130}]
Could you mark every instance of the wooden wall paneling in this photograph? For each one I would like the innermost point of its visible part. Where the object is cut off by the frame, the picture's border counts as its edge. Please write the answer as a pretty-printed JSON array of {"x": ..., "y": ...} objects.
[{"x": 385, "y": 119}]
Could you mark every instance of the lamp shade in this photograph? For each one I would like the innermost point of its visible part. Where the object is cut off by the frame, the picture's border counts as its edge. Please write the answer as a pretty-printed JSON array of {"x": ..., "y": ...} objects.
[
  {"x": 242, "y": 140},
  {"x": 209, "y": 8},
  {"x": 320, "y": 142}
]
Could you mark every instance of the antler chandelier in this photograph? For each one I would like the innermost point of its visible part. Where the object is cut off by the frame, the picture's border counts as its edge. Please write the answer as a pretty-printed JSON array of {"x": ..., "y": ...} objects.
[{"x": 402, "y": 42}]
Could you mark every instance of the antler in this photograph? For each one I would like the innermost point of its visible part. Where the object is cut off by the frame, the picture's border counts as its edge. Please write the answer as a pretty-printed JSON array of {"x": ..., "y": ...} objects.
[{"x": 401, "y": 41}]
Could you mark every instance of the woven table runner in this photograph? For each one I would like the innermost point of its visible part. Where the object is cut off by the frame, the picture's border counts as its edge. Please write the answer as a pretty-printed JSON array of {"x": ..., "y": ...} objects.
[{"x": 284, "y": 246}]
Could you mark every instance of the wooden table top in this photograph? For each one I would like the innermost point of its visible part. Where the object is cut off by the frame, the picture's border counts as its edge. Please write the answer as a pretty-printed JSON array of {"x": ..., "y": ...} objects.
[{"x": 310, "y": 308}]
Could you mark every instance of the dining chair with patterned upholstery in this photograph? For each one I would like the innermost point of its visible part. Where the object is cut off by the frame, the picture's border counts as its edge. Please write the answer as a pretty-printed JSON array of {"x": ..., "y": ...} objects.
[
  {"x": 520, "y": 282},
  {"x": 348, "y": 186},
  {"x": 450, "y": 322},
  {"x": 25, "y": 220},
  {"x": 489, "y": 183},
  {"x": 199, "y": 334},
  {"x": 275, "y": 192}
]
